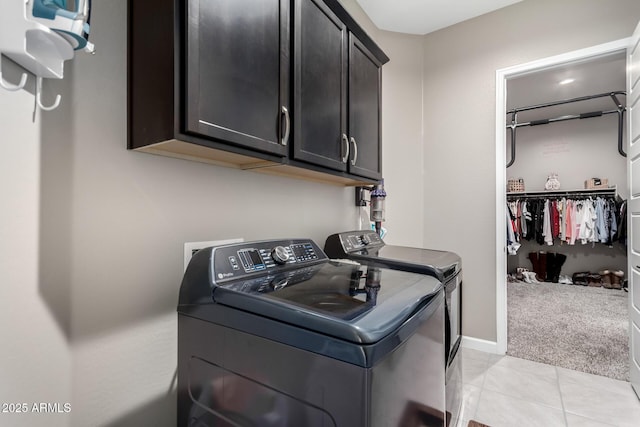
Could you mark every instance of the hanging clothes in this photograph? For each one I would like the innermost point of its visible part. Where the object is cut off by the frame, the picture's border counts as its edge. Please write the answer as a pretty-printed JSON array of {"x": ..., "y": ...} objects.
[
  {"x": 526, "y": 219},
  {"x": 587, "y": 233},
  {"x": 547, "y": 232},
  {"x": 569, "y": 220},
  {"x": 565, "y": 220},
  {"x": 561, "y": 214},
  {"x": 612, "y": 223},
  {"x": 512, "y": 244},
  {"x": 621, "y": 218},
  {"x": 601, "y": 226},
  {"x": 538, "y": 221},
  {"x": 555, "y": 219}
]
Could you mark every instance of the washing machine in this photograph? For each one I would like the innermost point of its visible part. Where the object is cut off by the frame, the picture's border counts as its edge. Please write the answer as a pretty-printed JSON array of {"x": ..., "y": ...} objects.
[
  {"x": 274, "y": 333},
  {"x": 367, "y": 247}
]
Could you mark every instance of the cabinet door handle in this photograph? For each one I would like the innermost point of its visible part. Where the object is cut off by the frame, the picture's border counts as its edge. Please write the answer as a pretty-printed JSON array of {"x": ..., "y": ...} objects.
[
  {"x": 345, "y": 148},
  {"x": 287, "y": 126},
  {"x": 355, "y": 151}
]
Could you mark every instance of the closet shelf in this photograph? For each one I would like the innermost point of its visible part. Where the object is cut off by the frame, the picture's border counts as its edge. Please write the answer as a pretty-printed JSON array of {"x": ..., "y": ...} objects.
[{"x": 611, "y": 191}]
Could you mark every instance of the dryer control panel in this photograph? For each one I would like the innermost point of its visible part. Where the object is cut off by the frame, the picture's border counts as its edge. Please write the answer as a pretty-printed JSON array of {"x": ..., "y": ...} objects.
[
  {"x": 352, "y": 241},
  {"x": 240, "y": 260}
]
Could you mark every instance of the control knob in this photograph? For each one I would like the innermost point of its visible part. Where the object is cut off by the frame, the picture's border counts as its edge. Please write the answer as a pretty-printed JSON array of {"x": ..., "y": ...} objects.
[{"x": 280, "y": 255}]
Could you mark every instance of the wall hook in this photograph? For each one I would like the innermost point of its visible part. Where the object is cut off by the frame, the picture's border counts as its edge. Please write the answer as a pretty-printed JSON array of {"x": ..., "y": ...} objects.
[
  {"x": 39, "y": 100},
  {"x": 11, "y": 87}
]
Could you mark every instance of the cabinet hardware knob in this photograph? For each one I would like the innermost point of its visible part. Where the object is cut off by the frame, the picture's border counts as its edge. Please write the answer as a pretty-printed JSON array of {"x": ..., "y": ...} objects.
[
  {"x": 287, "y": 126},
  {"x": 355, "y": 151},
  {"x": 345, "y": 148}
]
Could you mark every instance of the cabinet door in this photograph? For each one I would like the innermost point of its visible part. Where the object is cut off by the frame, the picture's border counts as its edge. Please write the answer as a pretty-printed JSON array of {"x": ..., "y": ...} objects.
[
  {"x": 237, "y": 72},
  {"x": 365, "y": 157},
  {"x": 319, "y": 131}
]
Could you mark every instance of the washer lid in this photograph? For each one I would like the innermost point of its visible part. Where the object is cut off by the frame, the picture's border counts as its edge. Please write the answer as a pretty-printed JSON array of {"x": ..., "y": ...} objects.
[
  {"x": 356, "y": 303},
  {"x": 416, "y": 259},
  {"x": 367, "y": 247}
]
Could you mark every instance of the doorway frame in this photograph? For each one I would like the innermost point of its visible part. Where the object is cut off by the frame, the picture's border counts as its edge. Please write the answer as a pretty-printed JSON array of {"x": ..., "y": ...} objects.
[{"x": 502, "y": 75}]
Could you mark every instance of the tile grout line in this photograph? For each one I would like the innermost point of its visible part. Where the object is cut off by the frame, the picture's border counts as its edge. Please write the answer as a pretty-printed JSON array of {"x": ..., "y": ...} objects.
[
  {"x": 484, "y": 378},
  {"x": 564, "y": 411}
]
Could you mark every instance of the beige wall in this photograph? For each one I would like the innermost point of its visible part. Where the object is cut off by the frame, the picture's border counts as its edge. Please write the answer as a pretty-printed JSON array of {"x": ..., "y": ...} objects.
[
  {"x": 459, "y": 122},
  {"x": 402, "y": 148},
  {"x": 88, "y": 313},
  {"x": 91, "y": 241},
  {"x": 35, "y": 363}
]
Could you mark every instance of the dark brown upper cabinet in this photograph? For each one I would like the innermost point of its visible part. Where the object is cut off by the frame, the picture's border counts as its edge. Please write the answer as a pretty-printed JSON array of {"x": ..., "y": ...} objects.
[
  {"x": 237, "y": 72},
  {"x": 365, "y": 136},
  {"x": 336, "y": 94},
  {"x": 288, "y": 87},
  {"x": 320, "y": 94}
]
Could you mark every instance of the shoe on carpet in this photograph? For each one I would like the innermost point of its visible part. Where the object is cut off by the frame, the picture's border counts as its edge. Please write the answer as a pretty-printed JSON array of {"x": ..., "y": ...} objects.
[
  {"x": 530, "y": 277},
  {"x": 565, "y": 280},
  {"x": 594, "y": 280},
  {"x": 580, "y": 278},
  {"x": 616, "y": 279},
  {"x": 606, "y": 278}
]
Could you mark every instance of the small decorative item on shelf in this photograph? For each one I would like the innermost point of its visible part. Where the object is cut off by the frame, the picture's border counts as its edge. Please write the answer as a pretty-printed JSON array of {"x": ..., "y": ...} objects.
[
  {"x": 515, "y": 185},
  {"x": 594, "y": 183},
  {"x": 553, "y": 183}
]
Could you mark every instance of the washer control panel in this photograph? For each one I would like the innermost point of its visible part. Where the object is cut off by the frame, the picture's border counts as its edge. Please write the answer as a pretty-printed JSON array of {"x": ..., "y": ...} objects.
[
  {"x": 340, "y": 245},
  {"x": 266, "y": 257},
  {"x": 353, "y": 241}
]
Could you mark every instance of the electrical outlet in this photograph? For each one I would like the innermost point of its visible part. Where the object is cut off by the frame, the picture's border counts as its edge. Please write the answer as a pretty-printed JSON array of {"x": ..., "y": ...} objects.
[{"x": 190, "y": 248}]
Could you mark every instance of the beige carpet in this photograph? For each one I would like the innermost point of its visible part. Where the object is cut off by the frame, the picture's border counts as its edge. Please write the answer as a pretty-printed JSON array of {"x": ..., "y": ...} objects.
[{"x": 574, "y": 327}]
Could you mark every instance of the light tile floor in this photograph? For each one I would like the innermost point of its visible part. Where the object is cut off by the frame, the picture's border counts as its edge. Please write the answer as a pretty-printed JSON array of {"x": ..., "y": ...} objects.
[{"x": 503, "y": 391}]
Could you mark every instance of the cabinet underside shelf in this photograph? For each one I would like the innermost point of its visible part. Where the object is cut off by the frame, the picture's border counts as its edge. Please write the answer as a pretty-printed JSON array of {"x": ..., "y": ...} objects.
[{"x": 188, "y": 151}]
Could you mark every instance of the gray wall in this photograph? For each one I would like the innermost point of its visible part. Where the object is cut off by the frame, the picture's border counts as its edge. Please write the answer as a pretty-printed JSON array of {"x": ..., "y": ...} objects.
[{"x": 459, "y": 123}]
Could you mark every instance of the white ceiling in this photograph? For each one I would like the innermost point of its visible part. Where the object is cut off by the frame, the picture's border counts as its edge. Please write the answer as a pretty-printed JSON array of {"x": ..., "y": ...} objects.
[
  {"x": 600, "y": 75},
  {"x": 426, "y": 16}
]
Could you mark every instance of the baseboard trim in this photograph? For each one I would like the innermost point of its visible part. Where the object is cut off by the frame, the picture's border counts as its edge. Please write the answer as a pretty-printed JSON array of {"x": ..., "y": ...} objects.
[{"x": 479, "y": 344}]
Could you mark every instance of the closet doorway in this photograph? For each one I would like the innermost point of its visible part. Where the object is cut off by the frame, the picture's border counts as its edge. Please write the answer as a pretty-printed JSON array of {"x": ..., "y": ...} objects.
[{"x": 562, "y": 324}]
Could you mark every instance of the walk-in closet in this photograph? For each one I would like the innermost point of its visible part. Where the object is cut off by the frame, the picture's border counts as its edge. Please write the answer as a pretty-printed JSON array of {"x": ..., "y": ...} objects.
[{"x": 566, "y": 217}]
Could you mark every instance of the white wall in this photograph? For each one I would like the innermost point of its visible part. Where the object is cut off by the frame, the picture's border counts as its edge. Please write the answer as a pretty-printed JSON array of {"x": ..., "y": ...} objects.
[{"x": 459, "y": 122}]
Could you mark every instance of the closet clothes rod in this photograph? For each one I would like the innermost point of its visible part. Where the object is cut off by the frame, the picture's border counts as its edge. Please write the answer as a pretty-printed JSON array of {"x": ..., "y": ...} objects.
[
  {"x": 568, "y": 117},
  {"x": 597, "y": 192},
  {"x": 620, "y": 110}
]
